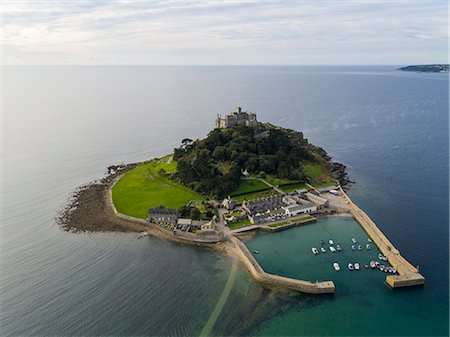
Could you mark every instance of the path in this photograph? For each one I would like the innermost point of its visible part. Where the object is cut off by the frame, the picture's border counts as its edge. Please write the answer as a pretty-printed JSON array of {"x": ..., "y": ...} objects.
[{"x": 206, "y": 331}]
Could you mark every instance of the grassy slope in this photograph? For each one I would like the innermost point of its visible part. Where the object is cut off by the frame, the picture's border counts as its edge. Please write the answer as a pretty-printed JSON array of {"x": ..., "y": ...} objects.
[
  {"x": 318, "y": 174},
  {"x": 143, "y": 187},
  {"x": 248, "y": 186}
]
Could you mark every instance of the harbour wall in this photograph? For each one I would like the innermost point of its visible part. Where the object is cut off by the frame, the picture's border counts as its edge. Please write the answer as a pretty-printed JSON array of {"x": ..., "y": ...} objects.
[
  {"x": 241, "y": 251},
  {"x": 408, "y": 274}
]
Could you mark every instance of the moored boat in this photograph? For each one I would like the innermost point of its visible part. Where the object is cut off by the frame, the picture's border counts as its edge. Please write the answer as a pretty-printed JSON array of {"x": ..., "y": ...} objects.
[
  {"x": 353, "y": 240},
  {"x": 350, "y": 266},
  {"x": 322, "y": 242},
  {"x": 382, "y": 257},
  {"x": 338, "y": 248},
  {"x": 332, "y": 249},
  {"x": 359, "y": 247},
  {"x": 372, "y": 264},
  {"x": 336, "y": 266},
  {"x": 382, "y": 267},
  {"x": 369, "y": 240},
  {"x": 368, "y": 247},
  {"x": 331, "y": 242},
  {"x": 323, "y": 250},
  {"x": 256, "y": 252},
  {"x": 356, "y": 266},
  {"x": 314, "y": 251}
]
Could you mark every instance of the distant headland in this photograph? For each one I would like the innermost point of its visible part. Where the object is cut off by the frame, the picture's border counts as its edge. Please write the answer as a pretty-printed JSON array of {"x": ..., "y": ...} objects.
[
  {"x": 428, "y": 68},
  {"x": 245, "y": 176}
]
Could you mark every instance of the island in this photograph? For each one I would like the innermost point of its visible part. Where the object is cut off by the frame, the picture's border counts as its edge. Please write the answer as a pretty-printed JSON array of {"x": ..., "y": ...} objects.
[
  {"x": 245, "y": 176},
  {"x": 428, "y": 68}
]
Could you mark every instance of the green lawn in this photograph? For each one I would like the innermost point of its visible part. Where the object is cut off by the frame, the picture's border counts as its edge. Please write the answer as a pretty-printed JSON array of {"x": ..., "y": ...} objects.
[
  {"x": 143, "y": 188},
  {"x": 278, "y": 181},
  {"x": 239, "y": 224},
  {"x": 256, "y": 195},
  {"x": 291, "y": 188},
  {"x": 248, "y": 186},
  {"x": 314, "y": 170}
]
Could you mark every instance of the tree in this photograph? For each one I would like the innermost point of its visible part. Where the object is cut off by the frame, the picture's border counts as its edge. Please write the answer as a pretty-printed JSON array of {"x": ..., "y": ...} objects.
[{"x": 195, "y": 213}]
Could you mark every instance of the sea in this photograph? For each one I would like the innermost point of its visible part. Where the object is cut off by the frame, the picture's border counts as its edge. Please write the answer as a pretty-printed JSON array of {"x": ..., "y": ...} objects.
[{"x": 63, "y": 125}]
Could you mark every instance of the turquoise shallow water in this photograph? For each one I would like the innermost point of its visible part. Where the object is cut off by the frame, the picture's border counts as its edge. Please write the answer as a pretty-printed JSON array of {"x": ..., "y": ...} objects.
[
  {"x": 288, "y": 253},
  {"x": 62, "y": 126},
  {"x": 363, "y": 303}
]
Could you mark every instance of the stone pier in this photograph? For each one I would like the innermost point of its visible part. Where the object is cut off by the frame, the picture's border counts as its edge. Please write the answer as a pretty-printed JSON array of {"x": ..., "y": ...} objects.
[{"x": 408, "y": 274}]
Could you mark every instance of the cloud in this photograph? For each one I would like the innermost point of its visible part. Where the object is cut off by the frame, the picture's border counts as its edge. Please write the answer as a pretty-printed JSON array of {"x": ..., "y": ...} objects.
[{"x": 213, "y": 32}]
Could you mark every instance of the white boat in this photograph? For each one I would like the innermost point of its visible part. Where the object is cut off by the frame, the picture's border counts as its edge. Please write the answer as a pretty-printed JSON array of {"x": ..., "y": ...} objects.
[
  {"x": 336, "y": 266},
  {"x": 315, "y": 251},
  {"x": 353, "y": 240},
  {"x": 356, "y": 266},
  {"x": 353, "y": 247},
  {"x": 350, "y": 266},
  {"x": 372, "y": 264},
  {"x": 368, "y": 247},
  {"x": 338, "y": 248},
  {"x": 331, "y": 242},
  {"x": 256, "y": 252},
  {"x": 143, "y": 235},
  {"x": 323, "y": 250},
  {"x": 359, "y": 247},
  {"x": 369, "y": 240},
  {"x": 332, "y": 249},
  {"x": 382, "y": 257}
]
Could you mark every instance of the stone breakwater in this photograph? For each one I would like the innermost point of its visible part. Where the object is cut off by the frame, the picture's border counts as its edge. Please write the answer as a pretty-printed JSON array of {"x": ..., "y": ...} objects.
[
  {"x": 239, "y": 250},
  {"x": 408, "y": 274}
]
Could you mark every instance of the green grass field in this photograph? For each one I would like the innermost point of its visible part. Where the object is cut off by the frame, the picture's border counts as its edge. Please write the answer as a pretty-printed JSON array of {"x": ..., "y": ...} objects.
[
  {"x": 248, "y": 186},
  {"x": 143, "y": 188},
  {"x": 278, "y": 181},
  {"x": 318, "y": 174},
  {"x": 256, "y": 195},
  {"x": 291, "y": 188},
  {"x": 239, "y": 224}
]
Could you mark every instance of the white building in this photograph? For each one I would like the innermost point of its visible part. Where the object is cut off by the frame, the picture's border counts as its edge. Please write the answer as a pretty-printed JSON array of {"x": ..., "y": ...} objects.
[{"x": 294, "y": 210}]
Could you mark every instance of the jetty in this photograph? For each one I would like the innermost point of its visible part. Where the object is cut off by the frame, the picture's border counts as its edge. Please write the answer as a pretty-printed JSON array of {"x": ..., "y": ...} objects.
[
  {"x": 242, "y": 253},
  {"x": 408, "y": 274}
]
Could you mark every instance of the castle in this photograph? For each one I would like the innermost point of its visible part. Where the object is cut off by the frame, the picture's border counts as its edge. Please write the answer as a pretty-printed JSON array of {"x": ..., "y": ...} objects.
[{"x": 237, "y": 117}]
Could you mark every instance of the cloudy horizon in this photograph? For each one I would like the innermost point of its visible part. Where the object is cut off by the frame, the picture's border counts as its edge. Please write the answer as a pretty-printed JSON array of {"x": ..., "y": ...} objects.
[{"x": 224, "y": 32}]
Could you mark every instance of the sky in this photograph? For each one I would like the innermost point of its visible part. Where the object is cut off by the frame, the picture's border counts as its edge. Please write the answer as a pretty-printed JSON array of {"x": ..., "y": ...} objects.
[{"x": 224, "y": 32}]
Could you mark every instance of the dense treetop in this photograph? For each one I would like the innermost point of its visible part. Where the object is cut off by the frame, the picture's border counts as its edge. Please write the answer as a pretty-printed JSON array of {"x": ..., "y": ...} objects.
[{"x": 214, "y": 165}]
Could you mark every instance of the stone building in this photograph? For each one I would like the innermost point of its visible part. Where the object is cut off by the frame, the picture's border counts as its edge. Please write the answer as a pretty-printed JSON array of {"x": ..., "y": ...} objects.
[
  {"x": 237, "y": 117},
  {"x": 163, "y": 216}
]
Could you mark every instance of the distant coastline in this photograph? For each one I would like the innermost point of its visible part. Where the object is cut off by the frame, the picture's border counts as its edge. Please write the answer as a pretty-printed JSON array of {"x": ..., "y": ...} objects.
[{"x": 427, "y": 68}]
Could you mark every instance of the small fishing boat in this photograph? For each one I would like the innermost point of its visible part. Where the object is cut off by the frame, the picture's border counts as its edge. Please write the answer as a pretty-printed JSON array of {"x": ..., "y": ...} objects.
[
  {"x": 372, "y": 264},
  {"x": 382, "y": 267},
  {"x": 359, "y": 247},
  {"x": 353, "y": 247},
  {"x": 331, "y": 242},
  {"x": 332, "y": 249},
  {"x": 356, "y": 266},
  {"x": 394, "y": 270},
  {"x": 323, "y": 250},
  {"x": 366, "y": 266},
  {"x": 314, "y": 251},
  {"x": 369, "y": 240},
  {"x": 336, "y": 266},
  {"x": 389, "y": 269},
  {"x": 368, "y": 247},
  {"x": 350, "y": 266},
  {"x": 143, "y": 235},
  {"x": 338, "y": 248},
  {"x": 377, "y": 264},
  {"x": 353, "y": 240},
  {"x": 382, "y": 257},
  {"x": 256, "y": 252}
]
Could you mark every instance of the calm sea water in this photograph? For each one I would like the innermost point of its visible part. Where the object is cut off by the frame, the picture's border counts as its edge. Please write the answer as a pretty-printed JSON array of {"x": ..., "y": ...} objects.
[{"x": 61, "y": 126}]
